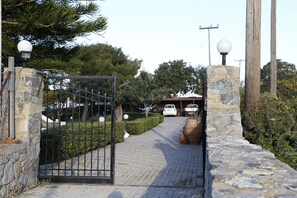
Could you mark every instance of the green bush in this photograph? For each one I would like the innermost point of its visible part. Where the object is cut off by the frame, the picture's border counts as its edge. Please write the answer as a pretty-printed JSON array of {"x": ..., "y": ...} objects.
[
  {"x": 135, "y": 115},
  {"x": 138, "y": 115},
  {"x": 65, "y": 142},
  {"x": 274, "y": 127},
  {"x": 135, "y": 127},
  {"x": 141, "y": 125},
  {"x": 161, "y": 118},
  {"x": 155, "y": 121}
]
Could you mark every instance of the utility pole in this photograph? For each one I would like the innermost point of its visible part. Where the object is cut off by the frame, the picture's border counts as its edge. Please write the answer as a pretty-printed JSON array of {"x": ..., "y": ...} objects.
[
  {"x": 209, "y": 28},
  {"x": 240, "y": 60},
  {"x": 273, "y": 63},
  {"x": 253, "y": 54}
]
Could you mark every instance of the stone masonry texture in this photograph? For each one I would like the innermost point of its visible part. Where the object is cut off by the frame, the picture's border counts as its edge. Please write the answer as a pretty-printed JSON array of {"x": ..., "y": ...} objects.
[
  {"x": 19, "y": 162},
  {"x": 234, "y": 167}
]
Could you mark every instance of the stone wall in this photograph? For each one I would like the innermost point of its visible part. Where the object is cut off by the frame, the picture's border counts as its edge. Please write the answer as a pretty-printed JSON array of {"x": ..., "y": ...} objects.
[
  {"x": 234, "y": 167},
  {"x": 19, "y": 162}
]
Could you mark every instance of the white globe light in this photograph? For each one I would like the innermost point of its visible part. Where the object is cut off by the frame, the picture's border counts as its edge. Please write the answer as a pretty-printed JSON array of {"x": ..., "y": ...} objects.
[
  {"x": 101, "y": 119},
  {"x": 126, "y": 116},
  {"x": 224, "y": 46},
  {"x": 25, "y": 46}
]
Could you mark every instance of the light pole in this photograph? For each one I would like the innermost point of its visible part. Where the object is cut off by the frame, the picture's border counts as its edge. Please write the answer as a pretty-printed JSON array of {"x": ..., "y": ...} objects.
[
  {"x": 25, "y": 48},
  {"x": 126, "y": 117},
  {"x": 224, "y": 46}
]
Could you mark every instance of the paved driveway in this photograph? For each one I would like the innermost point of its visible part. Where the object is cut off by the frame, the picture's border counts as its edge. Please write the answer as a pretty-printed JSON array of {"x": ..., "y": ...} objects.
[{"x": 153, "y": 164}]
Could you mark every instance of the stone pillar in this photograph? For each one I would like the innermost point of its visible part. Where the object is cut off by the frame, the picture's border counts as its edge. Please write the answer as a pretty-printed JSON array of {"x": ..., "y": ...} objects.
[
  {"x": 223, "y": 122},
  {"x": 19, "y": 162},
  {"x": 28, "y": 113},
  {"x": 233, "y": 166},
  {"x": 223, "y": 101}
]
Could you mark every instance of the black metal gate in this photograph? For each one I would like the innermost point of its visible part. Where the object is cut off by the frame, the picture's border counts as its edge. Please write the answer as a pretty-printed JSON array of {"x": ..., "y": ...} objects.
[{"x": 78, "y": 129}]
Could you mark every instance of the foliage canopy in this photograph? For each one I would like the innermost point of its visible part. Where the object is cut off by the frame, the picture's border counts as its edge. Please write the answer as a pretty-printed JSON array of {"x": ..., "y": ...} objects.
[
  {"x": 106, "y": 60},
  {"x": 273, "y": 125},
  {"x": 286, "y": 79},
  {"x": 175, "y": 77},
  {"x": 49, "y": 25},
  {"x": 143, "y": 90}
]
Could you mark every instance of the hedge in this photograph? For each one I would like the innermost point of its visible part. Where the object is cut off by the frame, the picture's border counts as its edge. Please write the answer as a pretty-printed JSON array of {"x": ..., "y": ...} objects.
[
  {"x": 139, "y": 126},
  {"x": 65, "y": 142}
]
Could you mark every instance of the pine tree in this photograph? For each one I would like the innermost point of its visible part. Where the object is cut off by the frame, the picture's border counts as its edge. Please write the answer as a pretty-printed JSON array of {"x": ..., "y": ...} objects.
[{"x": 49, "y": 25}]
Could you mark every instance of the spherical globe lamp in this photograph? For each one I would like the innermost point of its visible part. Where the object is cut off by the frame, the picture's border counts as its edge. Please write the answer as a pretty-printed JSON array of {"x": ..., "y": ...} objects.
[
  {"x": 25, "y": 47},
  {"x": 101, "y": 119},
  {"x": 126, "y": 116},
  {"x": 224, "y": 46}
]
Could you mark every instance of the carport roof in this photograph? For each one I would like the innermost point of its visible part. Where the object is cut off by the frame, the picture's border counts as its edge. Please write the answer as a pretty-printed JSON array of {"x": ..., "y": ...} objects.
[{"x": 183, "y": 99}]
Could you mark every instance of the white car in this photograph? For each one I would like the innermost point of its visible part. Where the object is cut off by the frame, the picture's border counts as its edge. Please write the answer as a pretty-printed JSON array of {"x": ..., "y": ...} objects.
[
  {"x": 192, "y": 110},
  {"x": 169, "y": 110}
]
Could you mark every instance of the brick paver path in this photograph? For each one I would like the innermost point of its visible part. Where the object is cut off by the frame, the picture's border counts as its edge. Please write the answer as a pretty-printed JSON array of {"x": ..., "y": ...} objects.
[{"x": 153, "y": 164}]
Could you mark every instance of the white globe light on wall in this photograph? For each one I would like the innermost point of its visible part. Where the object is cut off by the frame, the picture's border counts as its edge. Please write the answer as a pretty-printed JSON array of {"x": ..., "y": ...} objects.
[
  {"x": 126, "y": 116},
  {"x": 25, "y": 48},
  {"x": 224, "y": 46},
  {"x": 101, "y": 119}
]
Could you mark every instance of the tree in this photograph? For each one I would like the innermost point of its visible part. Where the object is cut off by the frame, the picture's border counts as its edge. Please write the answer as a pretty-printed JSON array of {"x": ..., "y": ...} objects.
[
  {"x": 198, "y": 85},
  {"x": 103, "y": 59},
  {"x": 49, "y": 25},
  {"x": 286, "y": 82},
  {"x": 143, "y": 90},
  {"x": 175, "y": 77}
]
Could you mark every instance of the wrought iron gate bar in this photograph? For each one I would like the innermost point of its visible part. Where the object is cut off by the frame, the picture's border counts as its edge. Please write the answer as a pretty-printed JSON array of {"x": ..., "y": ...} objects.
[
  {"x": 75, "y": 145},
  {"x": 112, "y": 161},
  {"x": 82, "y": 77},
  {"x": 88, "y": 92}
]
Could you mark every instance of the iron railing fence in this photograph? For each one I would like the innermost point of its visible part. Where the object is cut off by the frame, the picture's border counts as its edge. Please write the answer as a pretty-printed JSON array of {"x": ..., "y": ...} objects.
[
  {"x": 204, "y": 117},
  {"x": 78, "y": 129}
]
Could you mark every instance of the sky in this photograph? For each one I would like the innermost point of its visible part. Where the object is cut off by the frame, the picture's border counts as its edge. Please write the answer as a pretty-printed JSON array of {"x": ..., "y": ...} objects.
[{"x": 158, "y": 31}]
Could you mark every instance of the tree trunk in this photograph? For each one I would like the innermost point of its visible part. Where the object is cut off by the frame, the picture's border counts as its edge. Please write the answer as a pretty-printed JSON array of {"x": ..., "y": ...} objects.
[
  {"x": 119, "y": 113},
  {"x": 146, "y": 112},
  {"x": 253, "y": 54},
  {"x": 85, "y": 112}
]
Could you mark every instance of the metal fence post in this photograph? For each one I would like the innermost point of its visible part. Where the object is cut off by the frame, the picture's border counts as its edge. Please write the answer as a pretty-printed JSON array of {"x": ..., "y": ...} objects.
[{"x": 11, "y": 89}]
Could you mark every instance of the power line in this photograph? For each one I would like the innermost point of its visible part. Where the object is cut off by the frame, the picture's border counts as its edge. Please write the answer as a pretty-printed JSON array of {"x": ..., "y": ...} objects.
[{"x": 209, "y": 28}]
